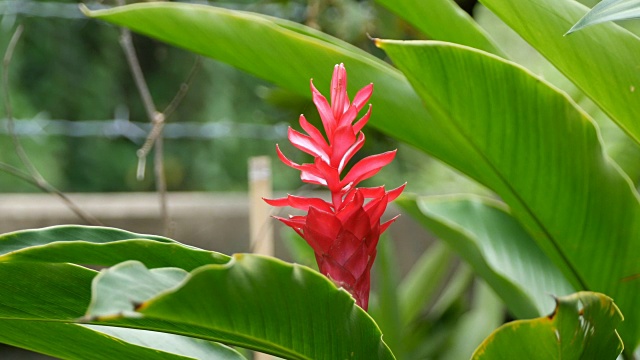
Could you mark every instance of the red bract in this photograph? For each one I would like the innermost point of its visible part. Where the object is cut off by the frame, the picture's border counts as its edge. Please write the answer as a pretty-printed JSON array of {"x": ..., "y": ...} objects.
[{"x": 343, "y": 233}]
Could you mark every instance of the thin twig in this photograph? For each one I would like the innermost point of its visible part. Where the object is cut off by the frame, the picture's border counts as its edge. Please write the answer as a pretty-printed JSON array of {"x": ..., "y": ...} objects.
[
  {"x": 12, "y": 170},
  {"x": 48, "y": 188},
  {"x": 32, "y": 175},
  {"x": 156, "y": 118},
  {"x": 158, "y": 125},
  {"x": 184, "y": 88},
  {"x": 134, "y": 65}
]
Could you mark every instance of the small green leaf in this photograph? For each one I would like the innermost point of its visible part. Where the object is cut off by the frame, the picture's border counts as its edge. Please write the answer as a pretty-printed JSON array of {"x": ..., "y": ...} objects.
[
  {"x": 134, "y": 284},
  {"x": 583, "y": 326},
  {"x": 609, "y": 10}
]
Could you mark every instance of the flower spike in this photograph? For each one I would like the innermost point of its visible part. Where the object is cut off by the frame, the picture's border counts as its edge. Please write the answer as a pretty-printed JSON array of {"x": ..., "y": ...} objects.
[{"x": 344, "y": 232}]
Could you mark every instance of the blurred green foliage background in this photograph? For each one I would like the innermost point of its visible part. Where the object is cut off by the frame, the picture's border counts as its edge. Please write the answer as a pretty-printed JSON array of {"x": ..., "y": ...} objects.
[{"x": 67, "y": 67}]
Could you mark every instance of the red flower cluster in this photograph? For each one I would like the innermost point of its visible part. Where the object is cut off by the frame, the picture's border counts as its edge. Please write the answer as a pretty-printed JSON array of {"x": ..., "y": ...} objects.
[{"x": 343, "y": 233}]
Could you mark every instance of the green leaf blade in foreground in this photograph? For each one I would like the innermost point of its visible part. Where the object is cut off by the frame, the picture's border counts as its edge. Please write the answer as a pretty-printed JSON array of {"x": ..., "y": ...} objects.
[
  {"x": 497, "y": 247},
  {"x": 542, "y": 155},
  {"x": 601, "y": 61},
  {"x": 270, "y": 306},
  {"x": 443, "y": 20},
  {"x": 609, "y": 10},
  {"x": 101, "y": 246},
  {"x": 569, "y": 333},
  {"x": 47, "y": 293},
  {"x": 41, "y": 301}
]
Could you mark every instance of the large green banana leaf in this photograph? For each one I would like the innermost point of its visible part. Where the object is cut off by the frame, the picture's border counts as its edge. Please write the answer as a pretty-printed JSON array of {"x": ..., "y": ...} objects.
[
  {"x": 580, "y": 208},
  {"x": 623, "y": 149},
  {"x": 271, "y": 298},
  {"x": 443, "y": 20},
  {"x": 601, "y": 61},
  {"x": 254, "y": 302}
]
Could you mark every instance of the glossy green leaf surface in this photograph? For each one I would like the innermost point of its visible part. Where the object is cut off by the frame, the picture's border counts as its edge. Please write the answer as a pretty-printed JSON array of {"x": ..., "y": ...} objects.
[
  {"x": 497, "y": 247},
  {"x": 251, "y": 289},
  {"x": 601, "y": 61},
  {"x": 609, "y": 10},
  {"x": 543, "y": 156},
  {"x": 268, "y": 305},
  {"x": 624, "y": 150},
  {"x": 443, "y": 20},
  {"x": 40, "y": 301},
  {"x": 583, "y": 326}
]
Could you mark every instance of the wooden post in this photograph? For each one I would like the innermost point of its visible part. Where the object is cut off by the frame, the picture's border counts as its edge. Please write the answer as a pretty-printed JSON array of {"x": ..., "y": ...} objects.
[{"x": 260, "y": 222}]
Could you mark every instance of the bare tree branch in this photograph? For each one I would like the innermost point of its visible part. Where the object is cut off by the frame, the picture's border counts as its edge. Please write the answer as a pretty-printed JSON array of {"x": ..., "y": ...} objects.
[
  {"x": 156, "y": 118},
  {"x": 184, "y": 88},
  {"x": 46, "y": 187},
  {"x": 32, "y": 175},
  {"x": 146, "y": 148}
]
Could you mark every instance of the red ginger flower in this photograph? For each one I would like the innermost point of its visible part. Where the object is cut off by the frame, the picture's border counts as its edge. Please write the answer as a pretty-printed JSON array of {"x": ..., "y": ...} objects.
[{"x": 343, "y": 233}]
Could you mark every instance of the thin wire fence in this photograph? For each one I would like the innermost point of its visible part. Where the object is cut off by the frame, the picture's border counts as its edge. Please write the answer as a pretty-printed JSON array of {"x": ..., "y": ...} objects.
[{"x": 138, "y": 131}]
